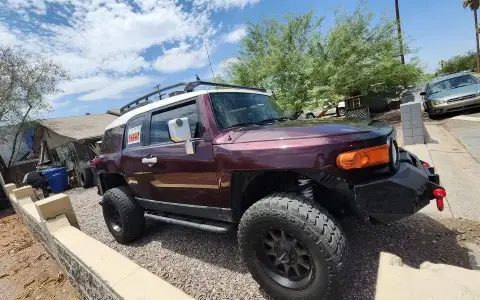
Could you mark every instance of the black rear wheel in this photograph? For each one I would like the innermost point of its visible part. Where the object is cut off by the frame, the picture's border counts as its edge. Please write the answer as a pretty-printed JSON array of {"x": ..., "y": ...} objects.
[
  {"x": 86, "y": 178},
  {"x": 293, "y": 248}
]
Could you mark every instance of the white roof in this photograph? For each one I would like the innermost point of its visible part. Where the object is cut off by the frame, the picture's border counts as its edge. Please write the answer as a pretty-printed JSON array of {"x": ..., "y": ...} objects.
[{"x": 123, "y": 119}]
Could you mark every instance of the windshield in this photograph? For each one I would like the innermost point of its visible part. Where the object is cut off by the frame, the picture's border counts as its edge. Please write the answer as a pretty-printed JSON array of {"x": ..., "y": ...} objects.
[
  {"x": 234, "y": 109},
  {"x": 452, "y": 83}
]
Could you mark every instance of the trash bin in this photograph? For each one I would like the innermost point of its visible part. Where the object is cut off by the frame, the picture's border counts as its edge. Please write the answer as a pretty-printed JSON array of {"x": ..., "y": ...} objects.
[{"x": 57, "y": 179}]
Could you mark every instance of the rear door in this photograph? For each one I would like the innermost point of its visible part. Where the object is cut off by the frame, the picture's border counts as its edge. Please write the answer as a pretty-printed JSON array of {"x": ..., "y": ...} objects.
[
  {"x": 133, "y": 153},
  {"x": 180, "y": 182}
]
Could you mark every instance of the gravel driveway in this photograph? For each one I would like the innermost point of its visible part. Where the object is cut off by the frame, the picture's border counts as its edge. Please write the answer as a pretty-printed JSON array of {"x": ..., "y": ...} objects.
[{"x": 208, "y": 266}]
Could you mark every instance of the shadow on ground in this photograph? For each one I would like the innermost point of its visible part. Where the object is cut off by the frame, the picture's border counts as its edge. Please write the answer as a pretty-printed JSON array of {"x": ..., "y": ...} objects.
[{"x": 416, "y": 239}]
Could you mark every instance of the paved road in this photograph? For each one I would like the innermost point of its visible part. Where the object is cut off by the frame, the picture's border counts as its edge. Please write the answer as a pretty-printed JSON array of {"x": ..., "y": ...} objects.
[
  {"x": 454, "y": 148},
  {"x": 465, "y": 128}
]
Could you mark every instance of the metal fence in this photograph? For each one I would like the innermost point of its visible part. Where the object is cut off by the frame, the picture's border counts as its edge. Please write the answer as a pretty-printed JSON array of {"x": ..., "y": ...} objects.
[{"x": 17, "y": 171}]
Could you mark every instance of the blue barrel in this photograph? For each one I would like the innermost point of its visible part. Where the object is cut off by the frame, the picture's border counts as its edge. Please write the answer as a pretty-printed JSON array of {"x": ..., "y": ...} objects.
[{"x": 57, "y": 179}]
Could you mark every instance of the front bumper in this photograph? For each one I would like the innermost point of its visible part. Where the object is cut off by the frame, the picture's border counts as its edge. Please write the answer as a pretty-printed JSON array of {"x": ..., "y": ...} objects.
[
  {"x": 400, "y": 194},
  {"x": 453, "y": 106}
]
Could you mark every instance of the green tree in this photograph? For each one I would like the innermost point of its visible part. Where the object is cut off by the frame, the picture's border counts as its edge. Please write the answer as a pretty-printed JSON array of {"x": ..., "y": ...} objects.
[
  {"x": 458, "y": 63},
  {"x": 305, "y": 68},
  {"x": 474, "y": 5},
  {"x": 26, "y": 80}
]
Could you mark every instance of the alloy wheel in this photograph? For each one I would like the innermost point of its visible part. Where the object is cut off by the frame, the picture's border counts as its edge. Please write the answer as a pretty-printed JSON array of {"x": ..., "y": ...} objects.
[{"x": 285, "y": 259}]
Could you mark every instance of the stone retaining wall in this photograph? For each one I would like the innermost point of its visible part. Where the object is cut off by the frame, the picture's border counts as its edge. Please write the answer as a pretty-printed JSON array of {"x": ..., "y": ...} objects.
[{"x": 97, "y": 271}]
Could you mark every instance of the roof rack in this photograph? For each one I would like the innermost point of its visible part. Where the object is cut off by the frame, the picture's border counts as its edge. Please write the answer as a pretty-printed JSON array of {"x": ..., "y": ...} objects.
[{"x": 188, "y": 87}]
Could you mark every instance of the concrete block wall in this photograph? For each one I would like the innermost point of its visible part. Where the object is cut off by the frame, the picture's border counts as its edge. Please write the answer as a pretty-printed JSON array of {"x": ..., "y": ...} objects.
[
  {"x": 412, "y": 123},
  {"x": 97, "y": 271}
]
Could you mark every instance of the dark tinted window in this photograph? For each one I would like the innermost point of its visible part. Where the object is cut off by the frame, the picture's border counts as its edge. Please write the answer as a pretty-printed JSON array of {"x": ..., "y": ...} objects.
[
  {"x": 112, "y": 140},
  {"x": 159, "y": 124},
  {"x": 452, "y": 83},
  {"x": 133, "y": 133},
  {"x": 232, "y": 109}
]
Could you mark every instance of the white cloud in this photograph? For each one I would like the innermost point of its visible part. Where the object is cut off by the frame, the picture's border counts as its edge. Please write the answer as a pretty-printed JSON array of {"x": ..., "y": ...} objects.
[
  {"x": 107, "y": 36},
  {"x": 56, "y": 104},
  {"x": 105, "y": 45},
  {"x": 181, "y": 58},
  {"x": 82, "y": 85},
  {"x": 235, "y": 35},
  {"x": 224, "y": 4},
  {"x": 37, "y": 6},
  {"x": 6, "y": 37},
  {"x": 219, "y": 69},
  {"x": 116, "y": 87}
]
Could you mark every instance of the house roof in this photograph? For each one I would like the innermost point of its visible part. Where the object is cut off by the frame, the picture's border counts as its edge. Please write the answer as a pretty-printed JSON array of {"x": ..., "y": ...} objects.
[{"x": 80, "y": 127}]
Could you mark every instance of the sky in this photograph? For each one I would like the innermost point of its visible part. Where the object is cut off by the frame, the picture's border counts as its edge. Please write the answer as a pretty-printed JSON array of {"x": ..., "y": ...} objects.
[{"x": 117, "y": 50}]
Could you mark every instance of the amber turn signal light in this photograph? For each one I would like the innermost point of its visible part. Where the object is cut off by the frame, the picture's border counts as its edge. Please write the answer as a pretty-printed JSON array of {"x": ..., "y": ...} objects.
[{"x": 365, "y": 157}]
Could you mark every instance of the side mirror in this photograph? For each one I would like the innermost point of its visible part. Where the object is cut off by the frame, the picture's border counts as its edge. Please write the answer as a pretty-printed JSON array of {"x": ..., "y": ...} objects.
[
  {"x": 179, "y": 130},
  {"x": 423, "y": 93}
]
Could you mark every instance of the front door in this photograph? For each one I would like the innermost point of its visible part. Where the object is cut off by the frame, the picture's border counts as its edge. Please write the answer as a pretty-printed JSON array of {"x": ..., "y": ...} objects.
[
  {"x": 177, "y": 180},
  {"x": 133, "y": 153}
]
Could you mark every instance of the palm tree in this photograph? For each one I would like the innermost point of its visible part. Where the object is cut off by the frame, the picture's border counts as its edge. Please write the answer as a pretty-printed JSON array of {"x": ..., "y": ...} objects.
[
  {"x": 399, "y": 28},
  {"x": 474, "y": 5}
]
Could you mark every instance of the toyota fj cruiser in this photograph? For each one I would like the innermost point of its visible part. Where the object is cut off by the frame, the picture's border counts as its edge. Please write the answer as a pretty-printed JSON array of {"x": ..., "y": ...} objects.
[{"x": 214, "y": 158}]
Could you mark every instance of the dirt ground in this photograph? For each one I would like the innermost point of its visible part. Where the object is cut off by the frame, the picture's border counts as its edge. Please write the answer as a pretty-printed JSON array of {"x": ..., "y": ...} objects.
[{"x": 26, "y": 270}]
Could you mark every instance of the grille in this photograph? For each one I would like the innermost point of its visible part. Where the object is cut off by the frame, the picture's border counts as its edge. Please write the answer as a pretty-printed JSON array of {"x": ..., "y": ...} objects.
[{"x": 462, "y": 98}]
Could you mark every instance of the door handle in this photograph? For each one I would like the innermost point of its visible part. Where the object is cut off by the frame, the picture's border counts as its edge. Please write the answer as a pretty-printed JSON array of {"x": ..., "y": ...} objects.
[{"x": 149, "y": 161}]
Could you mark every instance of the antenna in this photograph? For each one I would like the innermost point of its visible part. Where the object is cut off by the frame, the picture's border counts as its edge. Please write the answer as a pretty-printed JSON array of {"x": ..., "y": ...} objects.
[
  {"x": 158, "y": 88},
  {"x": 210, "y": 62}
]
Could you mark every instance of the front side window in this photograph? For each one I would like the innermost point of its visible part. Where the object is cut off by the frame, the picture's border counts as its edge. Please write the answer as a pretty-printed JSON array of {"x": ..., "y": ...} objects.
[
  {"x": 235, "y": 109},
  {"x": 159, "y": 124},
  {"x": 452, "y": 83},
  {"x": 133, "y": 136}
]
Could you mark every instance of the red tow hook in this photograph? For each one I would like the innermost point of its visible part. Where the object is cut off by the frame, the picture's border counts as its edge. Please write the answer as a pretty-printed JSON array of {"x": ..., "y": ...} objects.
[
  {"x": 425, "y": 164},
  {"x": 439, "y": 194}
]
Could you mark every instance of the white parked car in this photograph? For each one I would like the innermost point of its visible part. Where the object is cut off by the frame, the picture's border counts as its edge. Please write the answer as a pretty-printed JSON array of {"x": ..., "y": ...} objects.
[{"x": 338, "y": 110}]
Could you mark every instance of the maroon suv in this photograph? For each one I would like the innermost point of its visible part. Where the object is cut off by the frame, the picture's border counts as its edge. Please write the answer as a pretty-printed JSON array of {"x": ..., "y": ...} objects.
[{"x": 214, "y": 158}]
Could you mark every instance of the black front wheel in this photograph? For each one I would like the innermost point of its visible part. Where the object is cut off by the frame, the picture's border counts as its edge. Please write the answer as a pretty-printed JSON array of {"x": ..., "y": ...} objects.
[
  {"x": 123, "y": 215},
  {"x": 293, "y": 248}
]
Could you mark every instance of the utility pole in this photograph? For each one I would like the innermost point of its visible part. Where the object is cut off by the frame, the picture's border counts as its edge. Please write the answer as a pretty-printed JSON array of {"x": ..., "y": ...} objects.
[
  {"x": 399, "y": 28},
  {"x": 476, "y": 38}
]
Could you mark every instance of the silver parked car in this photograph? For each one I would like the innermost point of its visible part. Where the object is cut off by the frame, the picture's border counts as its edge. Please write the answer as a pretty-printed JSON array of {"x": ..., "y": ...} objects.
[{"x": 451, "y": 93}]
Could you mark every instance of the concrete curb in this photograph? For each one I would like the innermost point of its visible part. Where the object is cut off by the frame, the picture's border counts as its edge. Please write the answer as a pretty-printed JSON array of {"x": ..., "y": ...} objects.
[
  {"x": 97, "y": 271},
  {"x": 432, "y": 281}
]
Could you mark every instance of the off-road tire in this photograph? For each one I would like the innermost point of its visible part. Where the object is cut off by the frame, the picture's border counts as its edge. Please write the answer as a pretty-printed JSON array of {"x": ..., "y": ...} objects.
[
  {"x": 131, "y": 215},
  {"x": 341, "y": 112},
  {"x": 313, "y": 226},
  {"x": 310, "y": 116},
  {"x": 86, "y": 178}
]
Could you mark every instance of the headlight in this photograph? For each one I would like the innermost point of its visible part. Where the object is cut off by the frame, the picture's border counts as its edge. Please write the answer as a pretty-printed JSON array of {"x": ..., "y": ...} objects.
[
  {"x": 366, "y": 157},
  {"x": 436, "y": 102}
]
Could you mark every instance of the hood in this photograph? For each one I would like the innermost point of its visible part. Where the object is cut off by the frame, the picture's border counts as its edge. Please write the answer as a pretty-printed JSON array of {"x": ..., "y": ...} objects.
[
  {"x": 456, "y": 93},
  {"x": 299, "y": 129}
]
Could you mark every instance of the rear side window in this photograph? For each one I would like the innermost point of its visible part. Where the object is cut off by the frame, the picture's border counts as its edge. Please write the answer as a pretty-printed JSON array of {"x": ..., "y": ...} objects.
[
  {"x": 159, "y": 124},
  {"x": 112, "y": 140},
  {"x": 133, "y": 133}
]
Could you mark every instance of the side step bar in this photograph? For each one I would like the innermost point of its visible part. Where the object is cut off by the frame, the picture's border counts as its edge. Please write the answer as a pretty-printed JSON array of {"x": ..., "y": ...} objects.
[{"x": 217, "y": 227}]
